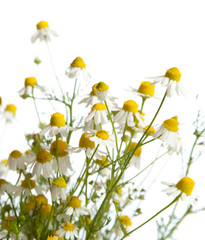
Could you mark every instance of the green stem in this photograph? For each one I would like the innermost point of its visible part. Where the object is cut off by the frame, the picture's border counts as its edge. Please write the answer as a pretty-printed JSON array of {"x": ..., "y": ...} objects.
[
  {"x": 152, "y": 217},
  {"x": 34, "y": 101}
]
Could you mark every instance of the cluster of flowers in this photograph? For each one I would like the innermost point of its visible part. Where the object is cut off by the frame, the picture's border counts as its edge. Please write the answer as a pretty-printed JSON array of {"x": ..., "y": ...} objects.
[{"x": 47, "y": 204}]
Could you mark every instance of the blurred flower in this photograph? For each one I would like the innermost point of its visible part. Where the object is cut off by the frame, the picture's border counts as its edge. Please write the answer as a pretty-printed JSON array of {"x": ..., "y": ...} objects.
[
  {"x": 135, "y": 159},
  {"x": 68, "y": 230},
  {"x": 9, "y": 112},
  {"x": 37, "y": 60},
  {"x": 76, "y": 67},
  {"x": 6, "y": 187},
  {"x": 103, "y": 138},
  {"x": 4, "y": 168},
  {"x": 171, "y": 80},
  {"x": 145, "y": 90},
  {"x": 58, "y": 189},
  {"x": 43, "y": 32},
  {"x": 104, "y": 169},
  {"x": 92, "y": 97},
  {"x": 16, "y": 160}
]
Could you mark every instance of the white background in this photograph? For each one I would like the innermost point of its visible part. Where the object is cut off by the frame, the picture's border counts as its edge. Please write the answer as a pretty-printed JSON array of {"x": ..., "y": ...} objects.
[{"x": 122, "y": 43}]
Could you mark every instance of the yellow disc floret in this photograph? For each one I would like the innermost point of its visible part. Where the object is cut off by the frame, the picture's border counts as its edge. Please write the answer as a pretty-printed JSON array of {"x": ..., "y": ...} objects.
[
  {"x": 50, "y": 238},
  {"x": 42, "y": 24},
  {"x": 93, "y": 92},
  {"x": 186, "y": 185},
  {"x": 57, "y": 120},
  {"x": 78, "y": 62},
  {"x": 40, "y": 199},
  {"x": 130, "y": 106},
  {"x": 15, "y": 154},
  {"x": 125, "y": 220},
  {"x": 45, "y": 210},
  {"x": 104, "y": 162},
  {"x": 30, "y": 81},
  {"x": 132, "y": 146},
  {"x": 68, "y": 226},
  {"x": 99, "y": 107},
  {"x": 101, "y": 87},
  {"x": 74, "y": 202},
  {"x": 173, "y": 74},
  {"x": 30, "y": 206},
  {"x": 171, "y": 124},
  {"x": 146, "y": 88},
  {"x": 28, "y": 183},
  {"x": 102, "y": 134},
  {"x": 59, "y": 182},
  {"x": 11, "y": 108},
  {"x": 7, "y": 222},
  {"x": 59, "y": 149},
  {"x": 85, "y": 142},
  {"x": 151, "y": 130},
  {"x": 43, "y": 157}
]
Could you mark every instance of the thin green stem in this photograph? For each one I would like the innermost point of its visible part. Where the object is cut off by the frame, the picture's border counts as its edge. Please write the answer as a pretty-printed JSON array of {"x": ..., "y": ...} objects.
[
  {"x": 152, "y": 217},
  {"x": 34, "y": 101}
]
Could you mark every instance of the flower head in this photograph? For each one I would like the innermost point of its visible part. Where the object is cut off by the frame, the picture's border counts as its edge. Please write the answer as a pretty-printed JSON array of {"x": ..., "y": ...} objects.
[
  {"x": 43, "y": 32},
  {"x": 102, "y": 90},
  {"x": 58, "y": 188},
  {"x": 135, "y": 159},
  {"x": 103, "y": 138},
  {"x": 10, "y": 112},
  {"x": 92, "y": 98},
  {"x": 68, "y": 230},
  {"x": 16, "y": 160}
]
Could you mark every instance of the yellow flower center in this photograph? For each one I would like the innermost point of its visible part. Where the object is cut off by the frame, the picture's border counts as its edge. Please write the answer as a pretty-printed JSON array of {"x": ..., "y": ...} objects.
[
  {"x": 68, "y": 227},
  {"x": 119, "y": 191},
  {"x": 171, "y": 124},
  {"x": 43, "y": 157},
  {"x": 11, "y": 108},
  {"x": 85, "y": 142},
  {"x": 95, "y": 239},
  {"x": 125, "y": 220},
  {"x": 28, "y": 183},
  {"x": 137, "y": 152},
  {"x": 104, "y": 162},
  {"x": 130, "y": 106},
  {"x": 186, "y": 185},
  {"x": 40, "y": 199},
  {"x": 99, "y": 107},
  {"x": 30, "y": 206},
  {"x": 2, "y": 182},
  {"x": 51, "y": 238},
  {"x": 93, "y": 92},
  {"x": 101, "y": 86},
  {"x": 57, "y": 120},
  {"x": 7, "y": 222},
  {"x": 42, "y": 24},
  {"x": 60, "y": 149},
  {"x": 30, "y": 81},
  {"x": 0, "y": 101},
  {"x": 78, "y": 62},
  {"x": 102, "y": 134},
  {"x": 75, "y": 202},
  {"x": 15, "y": 154},
  {"x": 151, "y": 130},
  {"x": 59, "y": 182},
  {"x": 173, "y": 74},
  {"x": 4, "y": 162},
  {"x": 45, "y": 210},
  {"x": 146, "y": 88}
]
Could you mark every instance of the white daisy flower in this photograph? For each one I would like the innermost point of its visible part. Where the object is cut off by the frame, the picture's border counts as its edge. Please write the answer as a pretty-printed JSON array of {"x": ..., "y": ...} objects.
[
  {"x": 92, "y": 98},
  {"x": 123, "y": 221},
  {"x": 103, "y": 164},
  {"x": 29, "y": 84},
  {"x": 28, "y": 186},
  {"x": 171, "y": 80},
  {"x": 4, "y": 168},
  {"x": 43, "y": 164},
  {"x": 184, "y": 187},
  {"x": 135, "y": 159},
  {"x": 102, "y": 91},
  {"x": 68, "y": 231},
  {"x": 58, "y": 189},
  {"x": 29, "y": 156},
  {"x": 145, "y": 90},
  {"x": 57, "y": 125},
  {"x": 16, "y": 160},
  {"x": 103, "y": 138},
  {"x": 85, "y": 144},
  {"x": 97, "y": 115},
  {"x": 43, "y": 32},
  {"x": 168, "y": 133},
  {"x": 130, "y": 114},
  {"x": 6, "y": 187},
  {"x": 9, "y": 112},
  {"x": 76, "y": 67}
]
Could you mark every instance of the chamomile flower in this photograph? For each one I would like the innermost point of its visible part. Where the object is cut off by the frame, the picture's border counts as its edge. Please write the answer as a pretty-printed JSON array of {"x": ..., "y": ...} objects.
[
  {"x": 43, "y": 164},
  {"x": 97, "y": 115},
  {"x": 76, "y": 67},
  {"x": 103, "y": 164},
  {"x": 168, "y": 133},
  {"x": 85, "y": 144},
  {"x": 184, "y": 187},
  {"x": 10, "y": 112},
  {"x": 29, "y": 84},
  {"x": 45, "y": 210},
  {"x": 4, "y": 168},
  {"x": 135, "y": 159},
  {"x": 103, "y": 138},
  {"x": 145, "y": 90},
  {"x": 171, "y": 80},
  {"x": 123, "y": 222},
  {"x": 102, "y": 91},
  {"x": 74, "y": 208},
  {"x": 27, "y": 185},
  {"x": 129, "y": 113},
  {"x": 92, "y": 98},
  {"x": 57, "y": 125},
  {"x": 58, "y": 188},
  {"x": 43, "y": 32},
  {"x": 16, "y": 160},
  {"x": 68, "y": 231},
  {"x": 59, "y": 150},
  {"x": 52, "y": 238},
  {"x": 6, "y": 187}
]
